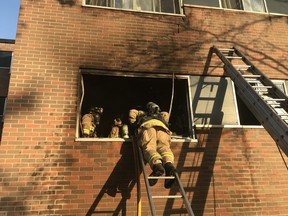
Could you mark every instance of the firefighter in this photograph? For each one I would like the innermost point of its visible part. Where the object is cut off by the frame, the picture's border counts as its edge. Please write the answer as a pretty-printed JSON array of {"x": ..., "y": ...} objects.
[
  {"x": 119, "y": 129},
  {"x": 153, "y": 135},
  {"x": 90, "y": 121}
]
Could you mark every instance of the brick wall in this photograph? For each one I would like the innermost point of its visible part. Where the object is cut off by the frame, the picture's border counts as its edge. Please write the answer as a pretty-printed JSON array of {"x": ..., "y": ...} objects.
[
  {"x": 4, "y": 46},
  {"x": 45, "y": 172}
]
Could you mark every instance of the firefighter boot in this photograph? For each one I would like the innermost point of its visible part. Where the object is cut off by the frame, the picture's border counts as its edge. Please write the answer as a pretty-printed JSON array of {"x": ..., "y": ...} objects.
[
  {"x": 169, "y": 170},
  {"x": 158, "y": 170}
]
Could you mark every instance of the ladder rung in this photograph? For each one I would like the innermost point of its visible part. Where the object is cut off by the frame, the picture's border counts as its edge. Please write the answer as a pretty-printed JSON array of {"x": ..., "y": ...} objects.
[
  {"x": 216, "y": 66},
  {"x": 251, "y": 76},
  {"x": 233, "y": 57},
  {"x": 242, "y": 66},
  {"x": 274, "y": 104},
  {"x": 262, "y": 90},
  {"x": 225, "y": 49},
  {"x": 273, "y": 99},
  {"x": 161, "y": 177},
  {"x": 262, "y": 86},
  {"x": 169, "y": 197},
  {"x": 253, "y": 81}
]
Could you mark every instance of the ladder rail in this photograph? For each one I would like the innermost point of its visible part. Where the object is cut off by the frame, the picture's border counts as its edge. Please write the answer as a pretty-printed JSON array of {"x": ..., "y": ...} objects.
[
  {"x": 184, "y": 197},
  {"x": 263, "y": 77},
  {"x": 276, "y": 126},
  {"x": 256, "y": 72},
  {"x": 148, "y": 190},
  {"x": 259, "y": 109}
]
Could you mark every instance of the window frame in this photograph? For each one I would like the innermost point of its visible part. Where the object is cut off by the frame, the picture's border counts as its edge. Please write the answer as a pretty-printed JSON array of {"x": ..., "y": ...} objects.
[
  {"x": 82, "y": 71},
  {"x": 142, "y": 11},
  {"x": 267, "y": 11},
  {"x": 283, "y": 83}
]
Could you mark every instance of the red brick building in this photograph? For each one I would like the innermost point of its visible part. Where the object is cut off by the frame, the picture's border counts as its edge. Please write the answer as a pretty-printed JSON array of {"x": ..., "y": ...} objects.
[{"x": 69, "y": 55}]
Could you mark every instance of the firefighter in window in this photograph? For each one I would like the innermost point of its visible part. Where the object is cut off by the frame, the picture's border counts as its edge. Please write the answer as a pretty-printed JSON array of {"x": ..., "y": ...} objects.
[
  {"x": 119, "y": 130},
  {"x": 153, "y": 135},
  {"x": 90, "y": 121}
]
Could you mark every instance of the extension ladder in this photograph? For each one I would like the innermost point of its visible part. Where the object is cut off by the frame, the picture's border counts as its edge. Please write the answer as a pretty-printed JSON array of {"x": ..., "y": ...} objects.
[
  {"x": 264, "y": 99},
  {"x": 148, "y": 187}
]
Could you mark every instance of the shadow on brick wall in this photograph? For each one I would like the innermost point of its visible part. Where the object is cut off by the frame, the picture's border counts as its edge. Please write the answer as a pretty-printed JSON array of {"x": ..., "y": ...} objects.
[{"x": 121, "y": 181}]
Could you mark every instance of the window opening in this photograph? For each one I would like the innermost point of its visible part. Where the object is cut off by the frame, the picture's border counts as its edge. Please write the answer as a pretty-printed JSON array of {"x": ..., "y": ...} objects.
[
  {"x": 246, "y": 117},
  {"x": 117, "y": 94}
]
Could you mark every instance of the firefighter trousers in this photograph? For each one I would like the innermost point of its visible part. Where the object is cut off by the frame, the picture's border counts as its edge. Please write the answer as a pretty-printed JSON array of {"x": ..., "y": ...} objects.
[{"x": 155, "y": 142}]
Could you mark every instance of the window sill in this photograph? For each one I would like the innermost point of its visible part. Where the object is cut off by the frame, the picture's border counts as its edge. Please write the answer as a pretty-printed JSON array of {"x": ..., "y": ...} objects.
[
  {"x": 174, "y": 139},
  {"x": 228, "y": 126}
]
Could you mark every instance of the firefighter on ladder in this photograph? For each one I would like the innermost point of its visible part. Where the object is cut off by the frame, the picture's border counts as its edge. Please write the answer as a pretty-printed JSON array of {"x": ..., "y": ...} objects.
[{"x": 154, "y": 136}]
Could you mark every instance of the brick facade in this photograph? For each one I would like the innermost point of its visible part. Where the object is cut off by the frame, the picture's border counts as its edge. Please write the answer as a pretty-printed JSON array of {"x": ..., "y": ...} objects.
[{"x": 45, "y": 172}]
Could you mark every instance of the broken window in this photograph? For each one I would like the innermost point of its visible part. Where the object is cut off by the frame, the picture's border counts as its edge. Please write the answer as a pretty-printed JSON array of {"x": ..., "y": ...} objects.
[{"x": 117, "y": 93}]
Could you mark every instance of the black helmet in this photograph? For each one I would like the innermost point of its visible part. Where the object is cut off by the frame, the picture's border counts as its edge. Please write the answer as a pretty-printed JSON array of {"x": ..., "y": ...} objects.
[
  {"x": 152, "y": 108},
  {"x": 96, "y": 110}
]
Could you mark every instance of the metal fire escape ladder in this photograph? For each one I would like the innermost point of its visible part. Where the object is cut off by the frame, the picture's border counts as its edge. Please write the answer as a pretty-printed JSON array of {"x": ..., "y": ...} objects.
[
  {"x": 149, "y": 191},
  {"x": 265, "y": 100}
]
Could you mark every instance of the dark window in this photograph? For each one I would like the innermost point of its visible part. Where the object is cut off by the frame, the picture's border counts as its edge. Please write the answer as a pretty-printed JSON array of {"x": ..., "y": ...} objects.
[
  {"x": 246, "y": 117},
  {"x": 118, "y": 94},
  {"x": 2, "y": 105},
  {"x": 5, "y": 63},
  {"x": 211, "y": 3},
  {"x": 277, "y": 6}
]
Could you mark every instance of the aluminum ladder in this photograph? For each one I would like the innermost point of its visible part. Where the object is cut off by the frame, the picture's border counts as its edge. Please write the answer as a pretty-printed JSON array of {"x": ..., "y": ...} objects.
[
  {"x": 148, "y": 187},
  {"x": 264, "y": 99}
]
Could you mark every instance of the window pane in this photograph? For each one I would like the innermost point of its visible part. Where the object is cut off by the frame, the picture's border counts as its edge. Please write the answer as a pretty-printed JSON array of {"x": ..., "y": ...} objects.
[
  {"x": 212, "y": 3},
  {"x": 167, "y": 6},
  {"x": 232, "y": 4},
  {"x": 254, "y": 5},
  {"x": 4, "y": 81},
  {"x": 146, "y": 5},
  {"x": 213, "y": 100},
  {"x": 277, "y": 6},
  {"x": 126, "y": 4},
  {"x": 5, "y": 59},
  {"x": 97, "y": 2},
  {"x": 1, "y": 127},
  {"x": 2, "y": 103}
]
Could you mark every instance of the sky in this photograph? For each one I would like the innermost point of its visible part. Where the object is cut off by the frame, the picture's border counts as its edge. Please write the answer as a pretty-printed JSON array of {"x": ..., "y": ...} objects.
[{"x": 9, "y": 12}]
